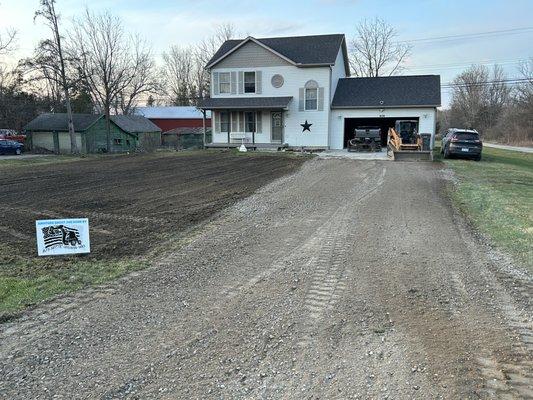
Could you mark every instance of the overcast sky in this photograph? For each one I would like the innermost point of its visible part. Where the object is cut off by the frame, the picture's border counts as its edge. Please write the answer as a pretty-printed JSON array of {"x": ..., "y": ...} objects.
[{"x": 167, "y": 22}]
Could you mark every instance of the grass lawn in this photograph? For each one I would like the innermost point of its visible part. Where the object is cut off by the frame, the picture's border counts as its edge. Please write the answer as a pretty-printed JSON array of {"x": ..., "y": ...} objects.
[
  {"x": 497, "y": 195},
  {"x": 26, "y": 281}
]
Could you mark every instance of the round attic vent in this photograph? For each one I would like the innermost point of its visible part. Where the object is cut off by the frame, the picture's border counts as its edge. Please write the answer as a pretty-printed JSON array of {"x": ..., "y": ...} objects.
[{"x": 277, "y": 81}]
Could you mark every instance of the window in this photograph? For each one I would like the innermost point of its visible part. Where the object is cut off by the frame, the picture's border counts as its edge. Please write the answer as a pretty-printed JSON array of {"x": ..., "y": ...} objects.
[
  {"x": 224, "y": 84},
  {"x": 311, "y": 99},
  {"x": 249, "y": 82},
  {"x": 118, "y": 142},
  {"x": 249, "y": 121},
  {"x": 466, "y": 136},
  {"x": 224, "y": 122}
]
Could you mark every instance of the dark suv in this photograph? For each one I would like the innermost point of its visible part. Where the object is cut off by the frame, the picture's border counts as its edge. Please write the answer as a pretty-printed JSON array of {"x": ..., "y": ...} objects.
[{"x": 463, "y": 143}]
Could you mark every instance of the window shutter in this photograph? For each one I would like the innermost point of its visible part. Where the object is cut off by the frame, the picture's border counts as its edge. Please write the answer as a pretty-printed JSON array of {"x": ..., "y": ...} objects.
[
  {"x": 301, "y": 100},
  {"x": 234, "y": 122},
  {"x": 241, "y": 82},
  {"x": 320, "y": 99},
  {"x": 241, "y": 122},
  {"x": 259, "y": 122},
  {"x": 233, "y": 82},
  {"x": 258, "y": 82},
  {"x": 215, "y": 84},
  {"x": 216, "y": 117}
]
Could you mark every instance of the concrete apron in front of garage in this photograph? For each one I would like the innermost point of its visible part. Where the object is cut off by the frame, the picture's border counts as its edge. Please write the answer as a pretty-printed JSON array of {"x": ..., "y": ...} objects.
[{"x": 363, "y": 155}]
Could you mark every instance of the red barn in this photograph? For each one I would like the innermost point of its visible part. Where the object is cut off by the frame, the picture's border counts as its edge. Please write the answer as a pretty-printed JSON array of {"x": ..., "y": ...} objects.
[{"x": 168, "y": 118}]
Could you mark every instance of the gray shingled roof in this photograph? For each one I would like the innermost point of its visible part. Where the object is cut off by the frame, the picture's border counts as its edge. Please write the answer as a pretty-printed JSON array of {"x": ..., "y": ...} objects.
[
  {"x": 221, "y": 103},
  {"x": 390, "y": 91},
  {"x": 59, "y": 123},
  {"x": 305, "y": 50},
  {"x": 134, "y": 123}
]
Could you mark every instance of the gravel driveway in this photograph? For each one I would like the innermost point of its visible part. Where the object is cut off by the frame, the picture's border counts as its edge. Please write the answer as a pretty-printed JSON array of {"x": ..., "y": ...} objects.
[{"x": 345, "y": 280}]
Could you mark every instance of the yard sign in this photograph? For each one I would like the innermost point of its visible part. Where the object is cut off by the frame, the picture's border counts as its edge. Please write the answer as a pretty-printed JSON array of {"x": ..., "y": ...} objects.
[{"x": 62, "y": 236}]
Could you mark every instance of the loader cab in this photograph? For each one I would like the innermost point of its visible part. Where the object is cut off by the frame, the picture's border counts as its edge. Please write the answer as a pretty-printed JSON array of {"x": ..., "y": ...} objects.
[{"x": 407, "y": 129}]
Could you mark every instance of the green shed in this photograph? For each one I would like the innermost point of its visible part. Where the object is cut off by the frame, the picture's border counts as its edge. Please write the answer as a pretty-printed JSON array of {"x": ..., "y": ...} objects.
[{"x": 49, "y": 132}]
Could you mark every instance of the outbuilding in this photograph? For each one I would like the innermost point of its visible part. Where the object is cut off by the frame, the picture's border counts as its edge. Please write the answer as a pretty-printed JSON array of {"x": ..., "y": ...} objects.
[
  {"x": 174, "y": 117},
  {"x": 49, "y": 132}
]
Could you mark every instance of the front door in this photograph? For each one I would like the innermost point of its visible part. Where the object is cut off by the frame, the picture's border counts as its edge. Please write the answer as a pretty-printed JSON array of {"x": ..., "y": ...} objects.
[{"x": 276, "y": 126}]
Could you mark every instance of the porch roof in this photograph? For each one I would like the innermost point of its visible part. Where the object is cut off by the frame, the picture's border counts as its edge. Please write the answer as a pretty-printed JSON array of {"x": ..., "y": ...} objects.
[{"x": 246, "y": 103}]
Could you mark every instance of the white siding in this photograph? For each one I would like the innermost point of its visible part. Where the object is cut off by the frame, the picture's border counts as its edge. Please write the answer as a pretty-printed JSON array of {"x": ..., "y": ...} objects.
[
  {"x": 294, "y": 79},
  {"x": 337, "y": 71},
  {"x": 427, "y": 118},
  {"x": 43, "y": 140},
  {"x": 64, "y": 142}
]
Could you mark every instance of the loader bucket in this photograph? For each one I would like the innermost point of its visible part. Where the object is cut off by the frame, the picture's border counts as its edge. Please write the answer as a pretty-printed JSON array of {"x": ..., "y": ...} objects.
[{"x": 414, "y": 155}]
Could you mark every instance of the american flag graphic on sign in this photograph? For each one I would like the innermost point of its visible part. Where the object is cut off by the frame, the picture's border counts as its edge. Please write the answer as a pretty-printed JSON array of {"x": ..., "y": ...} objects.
[{"x": 60, "y": 235}]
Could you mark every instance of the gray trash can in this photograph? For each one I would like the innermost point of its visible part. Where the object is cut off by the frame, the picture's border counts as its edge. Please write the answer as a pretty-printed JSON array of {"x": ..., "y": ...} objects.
[{"x": 426, "y": 141}]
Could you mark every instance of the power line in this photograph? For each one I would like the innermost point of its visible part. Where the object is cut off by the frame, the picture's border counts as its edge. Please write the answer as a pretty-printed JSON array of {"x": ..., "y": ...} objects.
[
  {"x": 464, "y": 64},
  {"x": 469, "y": 35},
  {"x": 512, "y": 81}
]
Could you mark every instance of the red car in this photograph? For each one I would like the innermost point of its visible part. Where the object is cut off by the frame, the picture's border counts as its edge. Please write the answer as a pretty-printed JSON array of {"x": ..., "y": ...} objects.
[{"x": 11, "y": 134}]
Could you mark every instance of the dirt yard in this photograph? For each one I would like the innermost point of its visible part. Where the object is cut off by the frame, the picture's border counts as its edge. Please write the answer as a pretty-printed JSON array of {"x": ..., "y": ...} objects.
[
  {"x": 133, "y": 202},
  {"x": 345, "y": 280}
]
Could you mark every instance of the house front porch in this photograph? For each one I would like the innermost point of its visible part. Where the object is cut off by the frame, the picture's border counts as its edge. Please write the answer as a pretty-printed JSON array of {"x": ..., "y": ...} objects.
[
  {"x": 249, "y": 146},
  {"x": 255, "y": 122}
]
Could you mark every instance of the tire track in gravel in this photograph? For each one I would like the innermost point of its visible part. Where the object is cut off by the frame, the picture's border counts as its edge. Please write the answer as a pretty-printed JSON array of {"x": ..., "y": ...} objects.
[
  {"x": 512, "y": 377},
  {"x": 328, "y": 261},
  {"x": 321, "y": 285}
]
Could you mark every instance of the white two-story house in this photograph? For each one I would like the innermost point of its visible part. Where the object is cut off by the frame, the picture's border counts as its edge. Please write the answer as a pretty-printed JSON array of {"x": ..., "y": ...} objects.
[{"x": 296, "y": 92}]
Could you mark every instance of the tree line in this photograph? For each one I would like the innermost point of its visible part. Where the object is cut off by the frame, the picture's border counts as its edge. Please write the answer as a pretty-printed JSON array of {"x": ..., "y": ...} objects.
[
  {"x": 96, "y": 65},
  {"x": 499, "y": 107}
]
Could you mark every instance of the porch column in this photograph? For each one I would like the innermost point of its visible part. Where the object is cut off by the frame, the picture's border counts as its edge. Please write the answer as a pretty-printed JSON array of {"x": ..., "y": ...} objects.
[
  {"x": 203, "y": 118},
  {"x": 229, "y": 125}
]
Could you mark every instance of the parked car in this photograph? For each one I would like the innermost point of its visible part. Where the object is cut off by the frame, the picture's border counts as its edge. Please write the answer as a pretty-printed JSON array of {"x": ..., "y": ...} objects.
[
  {"x": 10, "y": 147},
  {"x": 464, "y": 143},
  {"x": 11, "y": 134}
]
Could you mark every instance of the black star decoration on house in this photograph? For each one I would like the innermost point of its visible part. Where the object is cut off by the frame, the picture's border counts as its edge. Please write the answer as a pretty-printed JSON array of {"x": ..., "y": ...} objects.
[{"x": 306, "y": 126}]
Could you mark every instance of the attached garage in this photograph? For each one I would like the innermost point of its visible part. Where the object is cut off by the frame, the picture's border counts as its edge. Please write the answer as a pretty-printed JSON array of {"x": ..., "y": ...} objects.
[{"x": 381, "y": 102}]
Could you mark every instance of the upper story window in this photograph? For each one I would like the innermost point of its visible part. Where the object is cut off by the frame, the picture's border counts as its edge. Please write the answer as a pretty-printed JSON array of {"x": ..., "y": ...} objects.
[
  {"x": 311, "y": 95},
  {"x": 249, "y": 82},
  {"x": 224, "y": 82}
]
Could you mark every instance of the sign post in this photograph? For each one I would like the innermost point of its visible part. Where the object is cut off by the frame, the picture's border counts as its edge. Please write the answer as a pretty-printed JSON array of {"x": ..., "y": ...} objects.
[{"x": 62, "y": 236}]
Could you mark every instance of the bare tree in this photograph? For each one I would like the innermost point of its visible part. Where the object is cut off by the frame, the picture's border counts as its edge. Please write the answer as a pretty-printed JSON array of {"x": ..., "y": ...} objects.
[
  {"x": 184, "y": 74},
  {"x": 53, "y": 48},
  {"x": 374, "y": 51},
  {"x": 204, "y": 51},
  {"x": 141, "y": 77},
  {"x": 7, "y": 41},
  {"x": 42, "y": 72},
  {"x": 115, "y": 68},
  {"x": 177, "y": 72},
  {"x": 525, "y": 89},
  {"x": 479, "y": 97}
]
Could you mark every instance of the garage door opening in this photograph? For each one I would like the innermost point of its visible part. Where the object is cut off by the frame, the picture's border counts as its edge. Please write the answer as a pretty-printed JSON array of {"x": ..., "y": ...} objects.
[{"x": 383, "y": 123}]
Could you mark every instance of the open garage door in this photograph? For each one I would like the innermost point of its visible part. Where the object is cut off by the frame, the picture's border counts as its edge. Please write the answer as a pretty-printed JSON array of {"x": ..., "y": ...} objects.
[{"x": 383, "y": 123}]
